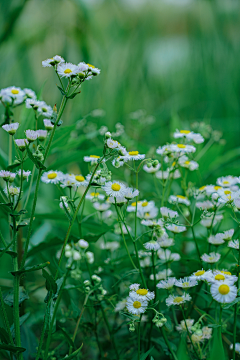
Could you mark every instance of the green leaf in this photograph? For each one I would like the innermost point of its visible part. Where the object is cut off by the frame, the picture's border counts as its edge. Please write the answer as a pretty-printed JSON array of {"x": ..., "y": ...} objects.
[
  {"x": 75, "y": 309},
  {"x": 50, "y": 282},
  {"x": 39, "y": 165},
  {"x": 16, "y": 164},
  {"x": 144, "y": 356},
  {"x": 72, "y": 96},
  {"x": 61, "y": 90},
  {"x": 22, "y": 320},
  {"x": 72, "y": 356},
  {"x": 8, "y": 297},
  {"x": 12, "y": 348},
  {"x": 4, "y": 336},
  {"x": 9, "y": 252},
  {"x": 182, "y": 352},
  {"x": 217, "y": 350},
  {"x": 232, "y": 303},
  {"x": 30, "y": 268},
  {"x": 67, "y": 337}
]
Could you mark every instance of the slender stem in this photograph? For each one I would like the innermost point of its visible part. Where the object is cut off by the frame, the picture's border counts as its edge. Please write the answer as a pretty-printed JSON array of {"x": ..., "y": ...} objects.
[
  {"x": 110, "y": 331},
  {"x": 2, "y": 239},
  {"x": 198, "y": 251},
  {"x": 189, "y": 335},
  {"x": 139, "y": 339},
  {"x": 10, "y": 150},
  {"x": 168, "y": 344},
  {"x": 124, "y": 240},
  {"x": 16, "y": 293},
  {"x": 21, "y": 182}
]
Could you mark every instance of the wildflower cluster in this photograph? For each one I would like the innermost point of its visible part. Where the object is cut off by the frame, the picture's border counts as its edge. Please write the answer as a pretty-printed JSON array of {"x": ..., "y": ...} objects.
[{"x": 136, "y": 235}]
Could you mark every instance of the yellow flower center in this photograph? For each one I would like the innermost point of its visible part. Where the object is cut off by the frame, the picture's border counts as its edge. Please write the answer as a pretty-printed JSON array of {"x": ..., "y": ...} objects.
[
  {"x": 187, "y": 162},
  {"x": 200, "y": 272},
  {"x": 115, "y": 187},
  {"x": 181, "y": 197},
  {"x": 91, "y": 66},
  {"x": 219, "y": 277},
  {"x": 137, "y": 304},
  {"x": 186, "y": 284},
  {"x": 181, "y": 146},
  {"x": 15, "y": 91},
  {"x": 134, "y": 204},
  {"x": 52, "y": 175},
  {"x": 94, "y": 194},
  {"x": 133, "y": 152},
  {"x": 227, "y": 192},
  {"x": 224, "y": 289},
  {"x": 202, "y": 188},
  {"x": 147, "y": 214},
  {"x": 226, "y": 272},
  {"x": 142, "y": 291},
  {"x": 178, "y": 299},
  {"x": 95, "y": 156},
  {"x": 225, "y": 182},
  {"x": 67, "y": 71},
  {"x": 185, "y": 131},
  {"x": 174, "y": 163},
  {"x": 79, "y": 178},
  {"x": 217, "y": 187},
  {"x": 144, "y": 204}
]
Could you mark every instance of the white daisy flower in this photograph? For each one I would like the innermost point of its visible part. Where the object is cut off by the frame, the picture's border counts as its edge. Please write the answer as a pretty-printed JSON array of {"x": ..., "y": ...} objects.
[
  {"x": 234, "y": 244},
  {"x": 68, "y": 182},
  {"x": 152, "y": 223},
  {"x": 143, "y": 294},
  {"x": 48, "y": 125},
  {"x": 186, "y": 283},
  {"x": 92, "y": 158},
  {"x": 205, "y": 205},
  {"x": 83, "y": 244},
  {"x": 131, "y": 193},
  {"x": 227, "y": 235},
  {"x": 182, "y": 326},
  {"x": 179, "y": 199},
  {"x": 176, "y": 229},
  {"x": 198, "y": 275},
  {"x": 151, "y": 245},
  {"x": 52, "y": 177},
  {"x": 151, "y": 169},
  {"x": 226, "y": 195},
  {"x": 168, "y": 212},
  {"x": 52, "y": 61},
  {"x": 189, "y": 135},
  {"x": 218, "y": 275},
  {"x": 146, "y": 262},
  {"x": 21, "y": 143},
  {"x": 93, "y": 70},
  {"x": 30, "y": 93},
  {"x": 12, "y": 93},
  {"x": 182, "y": 148},
  {"x": 166, "y": 242},
  {"x": 5, "y": 174},
  {"x": 223, "y": 292},
  {"x": 215, "y": 239},
  {"x": 227, "y": 181},
  {"x": 41, "y": 134},
  {"x": 177, "y": 300},
  {"x": 67, "y": 70},
  {"x": 208, "y": 222},
  {"x": 112, "y": 144},
  {"x": 25, "y": 175},
  {"x": 167, "y": 174},
  {"x": 167, "y": 284},
  {"x": 134, "y": 286},
  {"x": 101, "y": 206},
  {"x": 111, "y": 245},
  {"x": 118, "y": 162},
  {"x": 161, "y": 275},
  {"x": 136, "y": 305},
  {"x": 121, "y": 200},
  {"x": 31, "y": 135},
  {"x": 133, "y": 155},
  {"x": 11, "y": 128},
  {"x": 115, "y": 189},
  {"x": 167, "y": 255},
  {"x": 95, "y": 196},
  {"x": 80, "y": 180},
  {"x": 211, "y": 258},
  {"x": 12, "y": 190},
  {"x": 44, "y": 109},
  {"x": 207, "y": 332},
  {"x": 189, "y": 164},
  {"x": 132, "y": 207},
  {"x": 150, "y": 214}
]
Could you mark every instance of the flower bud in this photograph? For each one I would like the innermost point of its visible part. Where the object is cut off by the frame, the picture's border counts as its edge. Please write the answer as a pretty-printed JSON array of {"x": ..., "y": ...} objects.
[{"x": 132, "y": 327}]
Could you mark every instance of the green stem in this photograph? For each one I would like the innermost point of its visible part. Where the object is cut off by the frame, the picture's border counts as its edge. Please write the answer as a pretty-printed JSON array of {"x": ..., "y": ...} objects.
[
  {"x": 168, "y": 344},
  {"x": 5, "y": 318},
  {"x": 139, "y": 339},
  {"x": 189, "y": 335},
  {"x": 2, "y": 239},
  {"x": 110, "y": 331},
  {"x": 16, "y": 293},
  {"x": 195, "y": 240},
  {"x": 10, "y": 150},
  {"x": 235, "y": 313}
]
